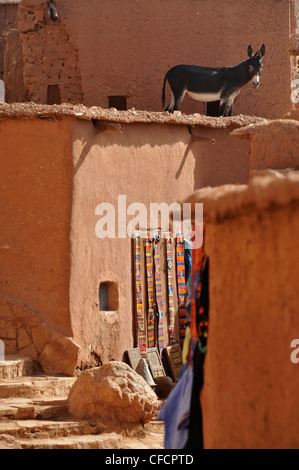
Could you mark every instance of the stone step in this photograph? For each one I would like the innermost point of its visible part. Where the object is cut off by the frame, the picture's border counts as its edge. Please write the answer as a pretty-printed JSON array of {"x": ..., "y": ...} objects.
[
  {"x": 18, "y": 366},
  {"x": 155, "y": 426},
  {"x": 99, "y": 441},
  {"x": 45, "y": 429},
  {"x": 36, "y": 408},
  {"x": 36, "y": 386}
]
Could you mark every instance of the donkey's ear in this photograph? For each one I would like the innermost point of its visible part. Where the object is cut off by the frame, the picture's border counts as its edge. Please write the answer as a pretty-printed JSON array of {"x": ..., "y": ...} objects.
[
  {"x": 262, "y": 50},
  {"x": 250, "y": 51}
]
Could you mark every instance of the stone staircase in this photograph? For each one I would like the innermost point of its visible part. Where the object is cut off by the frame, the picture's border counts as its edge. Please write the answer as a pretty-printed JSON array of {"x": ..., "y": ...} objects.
[{"x": 34, "y": 414}]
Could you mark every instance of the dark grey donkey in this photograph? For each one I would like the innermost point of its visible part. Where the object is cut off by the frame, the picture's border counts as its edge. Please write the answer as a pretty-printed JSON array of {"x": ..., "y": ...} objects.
[{"x": 213, "y": 84}]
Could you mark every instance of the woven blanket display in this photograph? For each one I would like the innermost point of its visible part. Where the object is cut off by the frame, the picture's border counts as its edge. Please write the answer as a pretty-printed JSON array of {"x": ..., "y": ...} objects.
[
  {"x": 141, "y": 333},
  {"x": 182, "y": 288},
  {"x": 150, "y": 294},
  {"x": 160, "y": 292}
]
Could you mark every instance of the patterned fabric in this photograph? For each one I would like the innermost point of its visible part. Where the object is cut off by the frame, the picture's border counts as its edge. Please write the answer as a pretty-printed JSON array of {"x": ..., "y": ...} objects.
[
  {"x": 150, "y": 294},
  {"x": 170, "y": 290},
  {"x": 141, "y": 335},
  {"x": 159, "y": 294},
  {"x": 182, "y": 288}
]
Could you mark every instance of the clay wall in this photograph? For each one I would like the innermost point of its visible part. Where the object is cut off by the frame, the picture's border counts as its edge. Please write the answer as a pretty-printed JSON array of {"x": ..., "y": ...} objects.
[
  {"x": 54, "y": 175},
  {"x": 8, "y": 21},
  {"x": 273, "y": 144},
  {"x": 51, "y": 71},
  {"x": 250, "y": 382},
  {"x": 36, "y": 188},
  {"x": 125, "y": 48}
]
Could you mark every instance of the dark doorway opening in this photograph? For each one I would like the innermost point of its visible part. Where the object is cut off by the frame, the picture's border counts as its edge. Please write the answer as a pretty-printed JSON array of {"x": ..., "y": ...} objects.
[
  {"x": 118, "y": 102},
  {"x": 53, "y": 94}
]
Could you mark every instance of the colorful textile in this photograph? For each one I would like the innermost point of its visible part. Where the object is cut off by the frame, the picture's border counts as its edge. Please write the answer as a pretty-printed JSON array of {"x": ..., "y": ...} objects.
[
  {"x": 150, "y": 294},
  {"x": 141, "y": 334},
  {"x": 159, "y": 300},
  {"x": 170, "y": 290},
  {"x": 182, "y": 288}
]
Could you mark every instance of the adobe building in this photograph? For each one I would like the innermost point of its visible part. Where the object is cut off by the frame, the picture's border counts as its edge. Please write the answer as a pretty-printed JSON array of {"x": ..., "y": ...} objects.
[
  {"x": 58, "y": 163},
  {"x": 116, "y": 54}
]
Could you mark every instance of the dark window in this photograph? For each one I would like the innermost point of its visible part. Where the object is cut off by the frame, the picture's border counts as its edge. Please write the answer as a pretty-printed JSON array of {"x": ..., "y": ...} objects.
[
  {"x": 213, "y": 108},
  {"x": 108, "y": 296},
  {"x": 118, "y": 102},
  {"x": 53, "y": 96}
]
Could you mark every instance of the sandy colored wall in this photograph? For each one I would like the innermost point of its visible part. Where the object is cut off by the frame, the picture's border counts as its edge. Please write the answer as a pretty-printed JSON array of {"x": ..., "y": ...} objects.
[
  {"x": 8, "y": 20},
  {"x": 250, "y": 393},
  {"x": 51, "y": 257},
  {"x": 125, "y": 48},
  {"x": 35, "y": 194},
  {"x": 273, "y": 144},
  {"x": 135, "y": 43},
  {"x": 50, "y": 56},
  {"x": 140, "y": 163}
]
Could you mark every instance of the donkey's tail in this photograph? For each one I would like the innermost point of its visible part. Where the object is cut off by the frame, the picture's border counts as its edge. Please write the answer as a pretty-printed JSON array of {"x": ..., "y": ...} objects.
[{"x": 163, "y": 90}]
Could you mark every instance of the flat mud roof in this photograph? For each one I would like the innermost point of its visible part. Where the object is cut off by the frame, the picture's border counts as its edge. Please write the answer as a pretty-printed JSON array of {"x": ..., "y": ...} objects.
[{"x": 33, "y": 111}]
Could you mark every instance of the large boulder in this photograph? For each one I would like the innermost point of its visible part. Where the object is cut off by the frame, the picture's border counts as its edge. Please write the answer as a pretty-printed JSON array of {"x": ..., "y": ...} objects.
[{"x": 114, "y": 396}]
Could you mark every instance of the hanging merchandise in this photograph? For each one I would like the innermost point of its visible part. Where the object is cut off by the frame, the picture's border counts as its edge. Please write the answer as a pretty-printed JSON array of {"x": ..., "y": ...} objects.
[
  {"x": 170, "y": 290},
  {"x": 182, "y": 288},
  {"x": 159, "y": 301},
  {"x": 141, "y": 334},
  {"x": 150, "y": 294}
]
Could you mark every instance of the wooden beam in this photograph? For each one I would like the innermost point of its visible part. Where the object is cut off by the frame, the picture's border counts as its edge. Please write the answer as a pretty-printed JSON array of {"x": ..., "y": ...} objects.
[{"x": 105, "y": 127}]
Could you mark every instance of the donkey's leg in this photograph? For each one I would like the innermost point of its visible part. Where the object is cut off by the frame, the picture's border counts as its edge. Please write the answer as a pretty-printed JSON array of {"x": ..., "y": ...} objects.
[
  {"x": 222, "y": 107},
  {"x": 230, "y": 107},
  {"x": 178, "y": 100},
  {"x": 170, "y": 107}
]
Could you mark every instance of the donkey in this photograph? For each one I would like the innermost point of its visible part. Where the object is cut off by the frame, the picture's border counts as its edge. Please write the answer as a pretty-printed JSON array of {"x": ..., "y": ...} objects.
[{"x": 213, "y": 84}]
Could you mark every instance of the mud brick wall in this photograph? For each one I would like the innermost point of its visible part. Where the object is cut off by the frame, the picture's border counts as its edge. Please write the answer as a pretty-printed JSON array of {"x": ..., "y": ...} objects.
[
  {"x": 51, "y": 70},
  {"x": 8, "y": 21}
]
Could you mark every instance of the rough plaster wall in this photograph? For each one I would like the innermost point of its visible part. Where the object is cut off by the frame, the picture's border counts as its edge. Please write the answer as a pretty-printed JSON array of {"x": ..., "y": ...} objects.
[
  {"x": 35, "y": 194},
  {"x": 50, "y": 55},
  {"x": 15, "y": 89},
  {"x": 8, "y": 21},
  {"x": 141, "y": 163},
  {"x": 125, "y": 48},
  {"x": 250, "y": 396}
]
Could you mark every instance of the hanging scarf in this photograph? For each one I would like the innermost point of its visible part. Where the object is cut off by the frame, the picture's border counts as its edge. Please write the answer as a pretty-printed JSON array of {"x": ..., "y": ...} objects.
[
  {"x": 182, "y": 289},
  {"x": 141, "y": 335},
  {"x": 150, "y": 294},
  {"x": 170, "y": 290},
  {"x": 159, "y": 294}
]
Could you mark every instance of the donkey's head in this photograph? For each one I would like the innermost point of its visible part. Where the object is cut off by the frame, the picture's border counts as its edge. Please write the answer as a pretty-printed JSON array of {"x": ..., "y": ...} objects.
[{"x": 255, "y": 65}]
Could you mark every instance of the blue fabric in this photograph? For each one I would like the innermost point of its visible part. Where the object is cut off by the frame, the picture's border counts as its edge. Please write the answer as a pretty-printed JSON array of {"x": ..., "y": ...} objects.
[{"x": 176, "y": 412}]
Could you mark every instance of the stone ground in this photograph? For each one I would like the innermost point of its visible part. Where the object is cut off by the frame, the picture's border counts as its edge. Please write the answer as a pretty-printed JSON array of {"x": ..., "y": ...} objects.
[{"x": 34, "y": 415}]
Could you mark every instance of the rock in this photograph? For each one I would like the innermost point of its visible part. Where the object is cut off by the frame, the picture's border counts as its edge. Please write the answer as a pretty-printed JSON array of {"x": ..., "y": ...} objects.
[
  {"x": 115, "y": 395},
  {"x": 62, "y": 351},
  {"x": 27, "y": 334},
  {"x": 164, "y": 386}
]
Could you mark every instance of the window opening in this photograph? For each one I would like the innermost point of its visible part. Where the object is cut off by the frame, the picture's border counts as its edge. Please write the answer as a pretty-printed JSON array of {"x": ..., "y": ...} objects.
[
  {"x": 118, "y": 102},
  {"x": 53, "y": 95},
  {"x": 108, "y": 296}
]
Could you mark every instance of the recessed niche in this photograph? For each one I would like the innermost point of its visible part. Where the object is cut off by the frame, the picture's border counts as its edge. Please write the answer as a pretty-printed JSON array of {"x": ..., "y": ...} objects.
[
  {"x": 108, "y": 296},
  {"x": 118, "y": 102}
]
